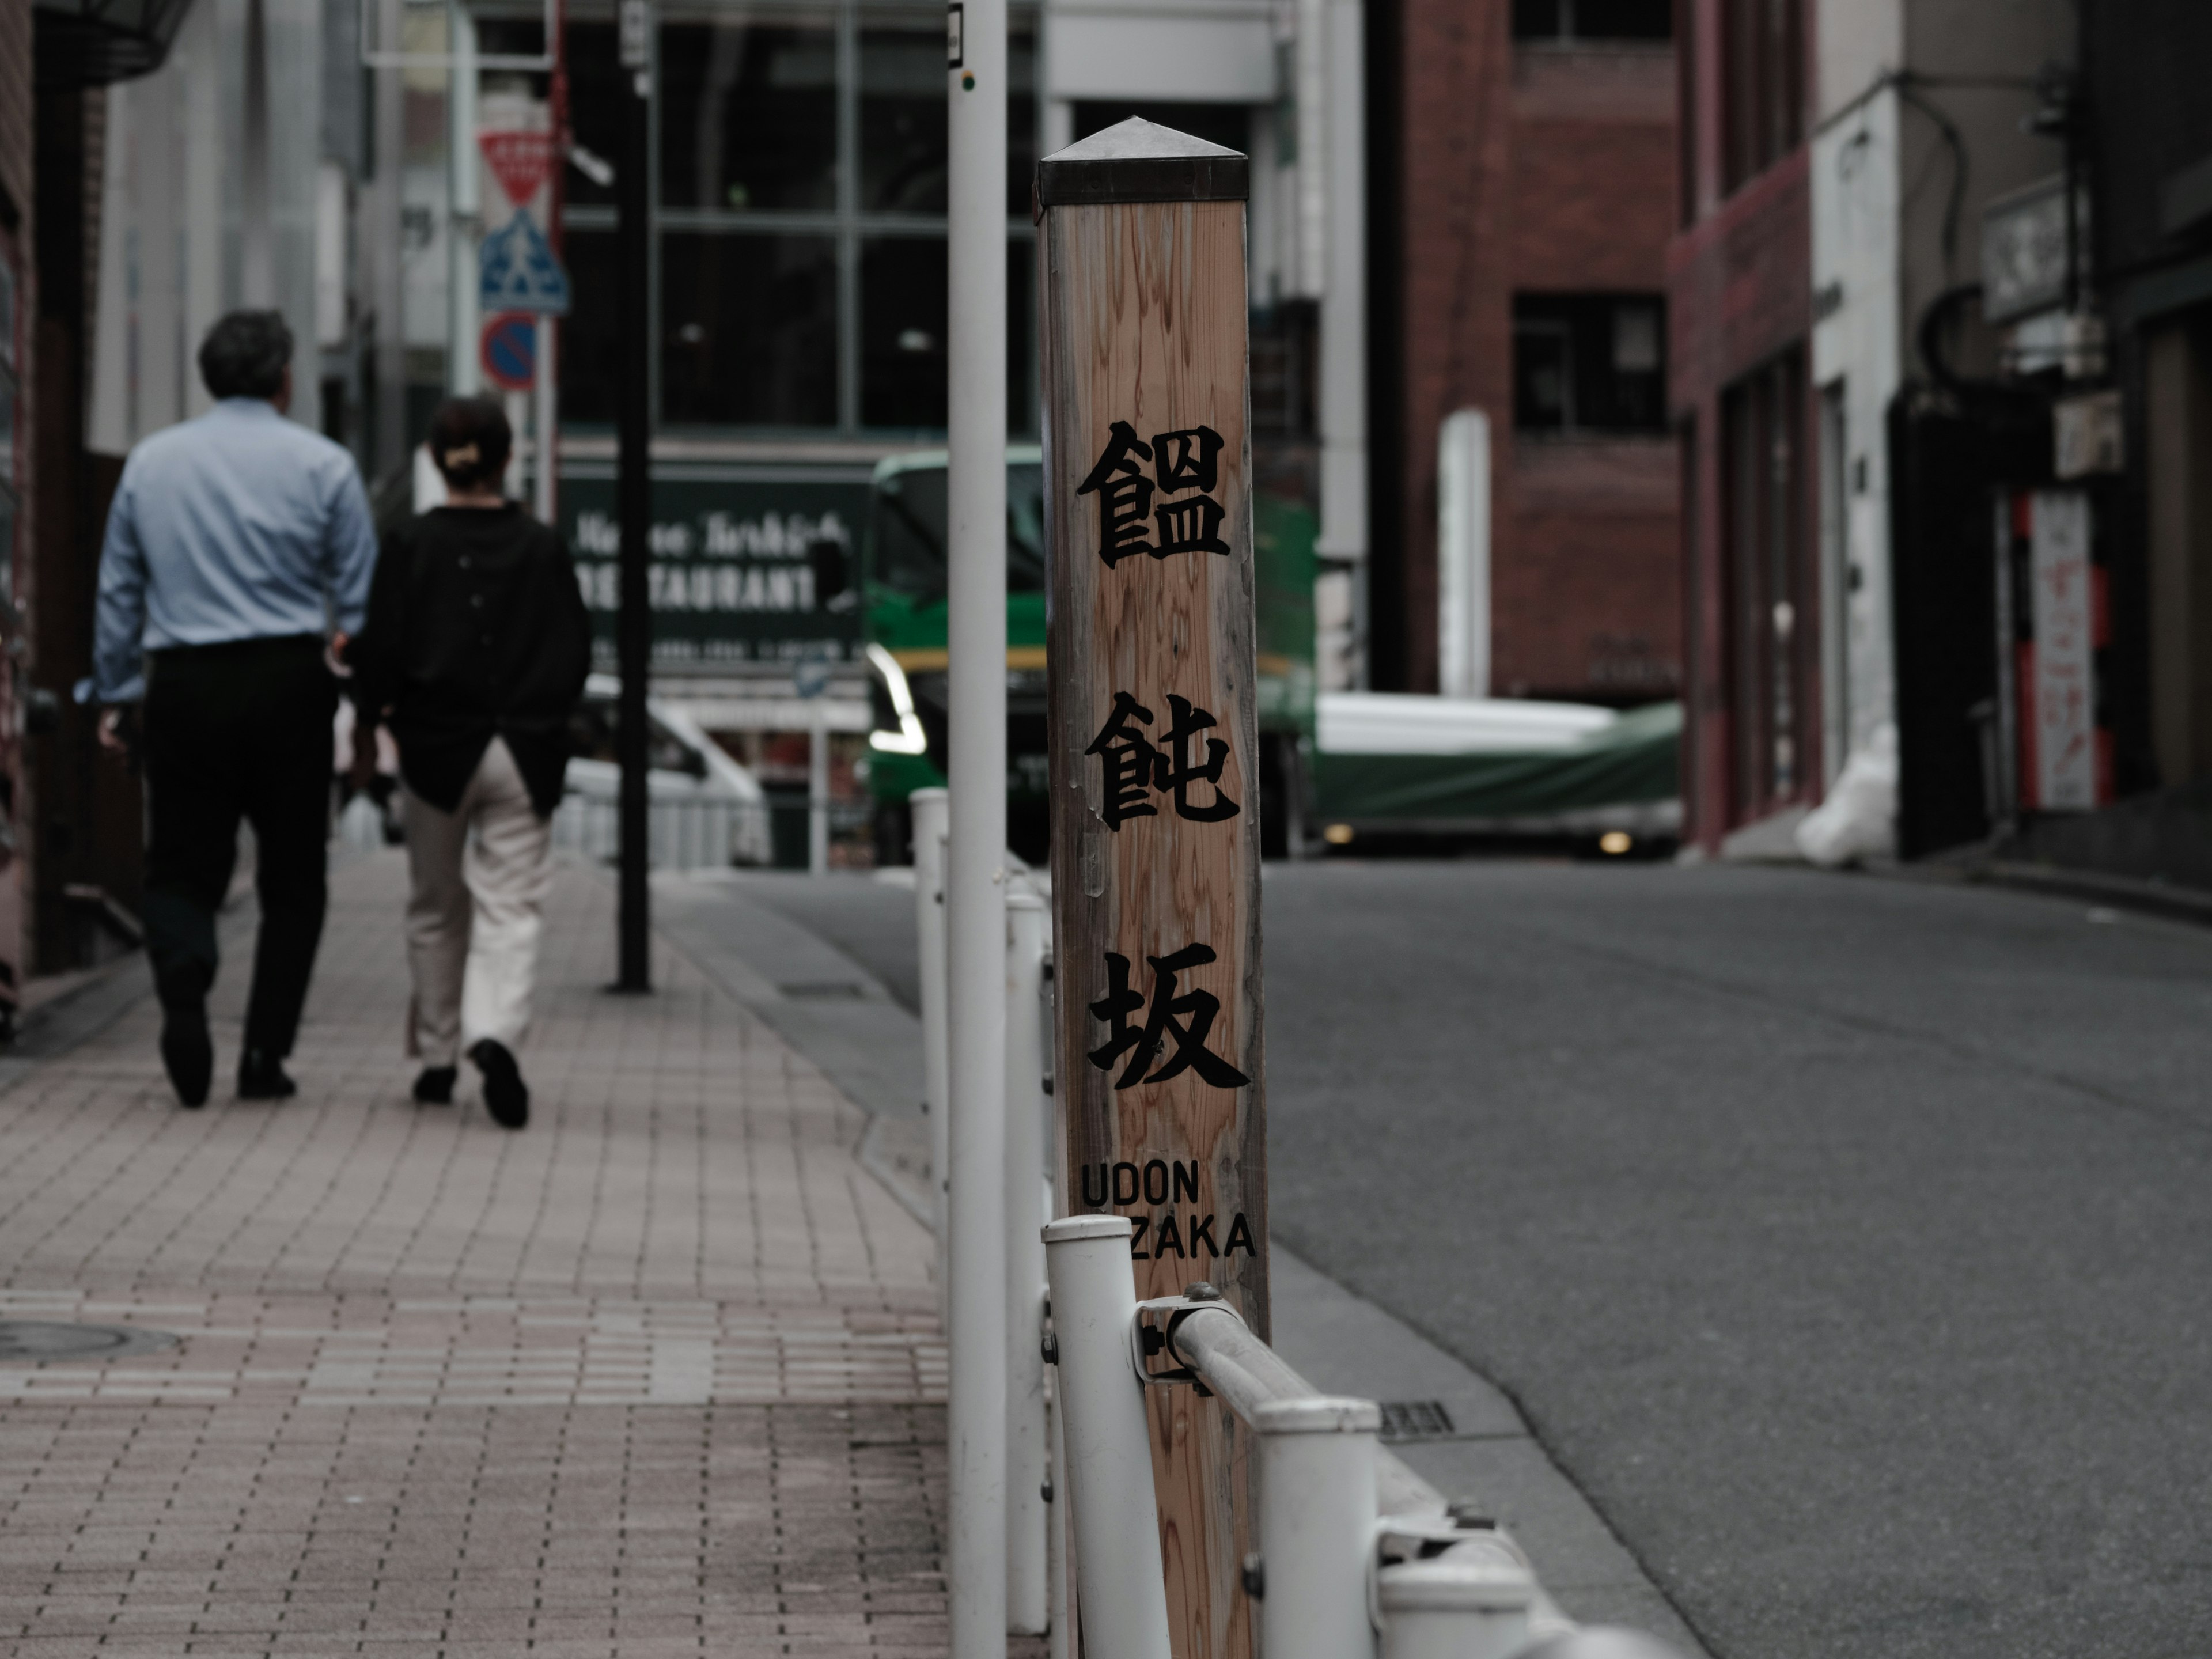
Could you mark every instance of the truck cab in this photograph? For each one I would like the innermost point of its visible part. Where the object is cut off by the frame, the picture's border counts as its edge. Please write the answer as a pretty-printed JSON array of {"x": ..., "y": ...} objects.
[{"x": 903, "y": 580}]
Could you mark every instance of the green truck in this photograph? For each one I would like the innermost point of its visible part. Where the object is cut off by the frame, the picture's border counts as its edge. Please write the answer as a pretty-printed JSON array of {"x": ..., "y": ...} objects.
[{"x": 902, "y": 605}]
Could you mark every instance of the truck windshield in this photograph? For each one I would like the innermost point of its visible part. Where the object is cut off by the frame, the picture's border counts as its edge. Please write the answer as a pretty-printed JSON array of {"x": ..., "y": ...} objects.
[{"x": 906, "y": 532}]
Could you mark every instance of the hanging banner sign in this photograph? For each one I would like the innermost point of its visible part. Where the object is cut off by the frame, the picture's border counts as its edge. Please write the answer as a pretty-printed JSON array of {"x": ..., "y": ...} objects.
[
  {"x": 521, "y": 273},
  {"x": 1154, "y": 742}
]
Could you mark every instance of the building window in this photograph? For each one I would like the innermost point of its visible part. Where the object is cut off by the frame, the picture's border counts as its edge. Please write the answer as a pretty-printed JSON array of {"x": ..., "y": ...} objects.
[
  {"x": 1763, "y": 85},
  {"x": 1589, "y": 363},
  {"x": 1567, "y": 20},
  {"x": 799, "y": 219}
]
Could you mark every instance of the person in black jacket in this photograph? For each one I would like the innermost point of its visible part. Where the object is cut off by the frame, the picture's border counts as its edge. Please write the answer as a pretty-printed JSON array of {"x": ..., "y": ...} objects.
[{"x": 474, "y": 655}]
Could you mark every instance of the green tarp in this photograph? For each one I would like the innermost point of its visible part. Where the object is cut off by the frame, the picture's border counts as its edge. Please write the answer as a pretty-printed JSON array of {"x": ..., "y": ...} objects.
[{"x": 1633, "y": 761}]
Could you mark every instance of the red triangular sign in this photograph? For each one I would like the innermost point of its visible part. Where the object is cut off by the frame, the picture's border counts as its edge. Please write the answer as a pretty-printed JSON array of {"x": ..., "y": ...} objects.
[{"x": 519, "y": 161}]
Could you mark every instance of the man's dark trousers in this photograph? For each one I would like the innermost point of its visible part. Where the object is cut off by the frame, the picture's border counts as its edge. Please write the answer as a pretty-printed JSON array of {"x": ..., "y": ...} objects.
[{"x": 231, "y": 730}]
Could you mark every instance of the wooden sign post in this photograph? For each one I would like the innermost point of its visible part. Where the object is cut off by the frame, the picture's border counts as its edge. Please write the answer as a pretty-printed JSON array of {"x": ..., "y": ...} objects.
[{"x": 1155, "y": 803}]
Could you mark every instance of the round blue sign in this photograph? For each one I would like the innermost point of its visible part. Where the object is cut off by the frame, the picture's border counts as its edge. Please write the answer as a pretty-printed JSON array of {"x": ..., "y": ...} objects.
[{"x": 510, "y": 351}]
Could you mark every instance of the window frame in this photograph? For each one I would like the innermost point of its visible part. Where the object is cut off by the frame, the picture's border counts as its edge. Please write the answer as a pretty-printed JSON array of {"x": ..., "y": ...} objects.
[
  {"x": 1569, "y": 317},
  {"x": 1570, "y": 35},
  {"x": 847, "y": 224}
]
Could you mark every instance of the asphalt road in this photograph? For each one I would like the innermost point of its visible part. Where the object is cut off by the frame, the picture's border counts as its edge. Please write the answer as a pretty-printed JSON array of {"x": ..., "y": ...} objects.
[{"x": 1849, "y": 1241}]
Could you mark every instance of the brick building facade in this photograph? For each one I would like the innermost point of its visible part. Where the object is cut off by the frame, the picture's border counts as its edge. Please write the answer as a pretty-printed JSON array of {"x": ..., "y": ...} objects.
[{"x": 1523, "y": 274}]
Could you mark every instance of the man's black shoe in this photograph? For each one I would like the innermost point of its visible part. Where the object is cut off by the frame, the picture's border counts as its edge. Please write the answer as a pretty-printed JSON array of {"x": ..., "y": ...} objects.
[
  {"x": 435, "y": 1086},
  {"x": 507, "y": 1097},
  {"x": 188, "y": 1053},
  {"x": 261, "y": 1077}
]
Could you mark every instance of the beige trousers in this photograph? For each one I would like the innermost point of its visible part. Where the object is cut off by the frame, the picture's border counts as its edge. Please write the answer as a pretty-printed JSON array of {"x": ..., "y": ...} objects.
[{"x": 480, "y": 876}]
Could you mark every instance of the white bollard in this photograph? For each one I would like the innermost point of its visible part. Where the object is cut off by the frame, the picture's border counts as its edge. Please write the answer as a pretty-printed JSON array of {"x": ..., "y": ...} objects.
[
  {"x": 1317, "y": 1515},
  {"x": 1120, "y": 1584},
  {"x": 928, "y": 807},
  {"x": 1468, "y": 1603},
  {"x": 818, "y": 790},
  {"x": 1027, "y": 1512}
]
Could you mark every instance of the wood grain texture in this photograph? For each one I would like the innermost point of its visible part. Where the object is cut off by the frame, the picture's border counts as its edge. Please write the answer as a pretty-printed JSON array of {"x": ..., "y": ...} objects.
[{"x": 1144, "y": 322}]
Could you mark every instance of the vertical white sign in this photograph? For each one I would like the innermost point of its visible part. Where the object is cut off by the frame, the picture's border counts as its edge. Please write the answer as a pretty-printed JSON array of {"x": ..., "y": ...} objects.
[
  {"x": 2065, "y": 692},
  {"x": 1463, "y": 553}
]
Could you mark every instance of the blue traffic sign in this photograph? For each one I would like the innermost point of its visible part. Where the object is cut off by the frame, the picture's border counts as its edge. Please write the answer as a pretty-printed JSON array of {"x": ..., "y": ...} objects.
[
  {"x": 510, "y": 351},
  {"x": 519, "y": 271}
]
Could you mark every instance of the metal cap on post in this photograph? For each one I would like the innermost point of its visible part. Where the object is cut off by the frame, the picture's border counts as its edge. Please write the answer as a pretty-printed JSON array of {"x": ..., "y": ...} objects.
[
  {"x": 1120, "y": 1586},
  {"x": 1317, "y": 1515},
  {"x": 1459, "y": 1605}
]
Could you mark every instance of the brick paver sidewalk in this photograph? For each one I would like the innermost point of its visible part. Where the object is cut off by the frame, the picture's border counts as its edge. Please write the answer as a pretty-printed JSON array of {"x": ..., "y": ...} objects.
[{"x": 658, "y": 1376}]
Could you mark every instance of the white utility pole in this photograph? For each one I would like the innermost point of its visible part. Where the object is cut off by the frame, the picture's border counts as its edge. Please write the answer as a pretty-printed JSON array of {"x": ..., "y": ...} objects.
[
  {"x": 464, "y": 199},
  {"x": 1343, "y": 411},
  {"x": 975, "y": 875}
]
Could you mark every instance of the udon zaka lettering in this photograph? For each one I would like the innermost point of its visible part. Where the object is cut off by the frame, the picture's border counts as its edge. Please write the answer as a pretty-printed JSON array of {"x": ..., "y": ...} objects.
[
  {"x": 1186, "y": 1019},
  {"x": 1129, "y": 522},
  {"x": 1135, "y": 766},
  {"x": 1182, "y": 1238},
  {"x": 1156, "y": 1182}
]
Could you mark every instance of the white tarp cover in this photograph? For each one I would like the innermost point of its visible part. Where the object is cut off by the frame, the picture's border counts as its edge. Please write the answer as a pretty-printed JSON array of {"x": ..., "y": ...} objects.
[{"x": 1402, "y": 723}]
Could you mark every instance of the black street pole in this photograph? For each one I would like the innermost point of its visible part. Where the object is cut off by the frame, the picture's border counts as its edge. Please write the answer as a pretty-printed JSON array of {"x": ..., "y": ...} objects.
[{"x": 634, "y": 625}]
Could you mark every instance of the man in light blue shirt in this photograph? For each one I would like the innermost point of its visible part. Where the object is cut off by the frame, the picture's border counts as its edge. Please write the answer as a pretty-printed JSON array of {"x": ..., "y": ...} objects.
[{"x": 238, "y": 544}]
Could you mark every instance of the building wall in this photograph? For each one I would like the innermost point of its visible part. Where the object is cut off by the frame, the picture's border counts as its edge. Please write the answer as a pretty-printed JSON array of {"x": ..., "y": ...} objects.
[
  {"x": 1902, "y": 170},
  {"x": 1533, "y": 170},
  {"x": 1739, "y": 297}
]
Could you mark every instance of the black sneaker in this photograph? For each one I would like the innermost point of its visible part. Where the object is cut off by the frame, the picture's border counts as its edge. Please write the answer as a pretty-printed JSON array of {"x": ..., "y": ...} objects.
[
  {"x": 261, "y": 1076},
  {"x": 507, "y": 1097},
  {"x": 188, "y": 1053},
  {"x": 435, "y": 1086}
]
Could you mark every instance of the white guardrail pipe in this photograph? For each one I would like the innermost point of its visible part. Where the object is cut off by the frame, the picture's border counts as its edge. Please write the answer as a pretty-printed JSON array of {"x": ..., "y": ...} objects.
[
  {"x": 1027, "y": 1513},
  {"x": 1120, "y": 1584}
]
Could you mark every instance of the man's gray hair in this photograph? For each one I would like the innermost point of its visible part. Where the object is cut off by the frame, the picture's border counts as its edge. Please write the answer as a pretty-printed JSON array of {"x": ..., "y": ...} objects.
[{"x": 245, "y": 355}]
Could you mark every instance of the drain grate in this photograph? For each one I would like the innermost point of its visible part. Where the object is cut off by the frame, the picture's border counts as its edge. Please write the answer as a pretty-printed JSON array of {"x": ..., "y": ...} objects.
[
  {"x": 819, "y": 990},
  {"x": 34, "y": 1341},
  {"x": 1416, "y": 1420}
]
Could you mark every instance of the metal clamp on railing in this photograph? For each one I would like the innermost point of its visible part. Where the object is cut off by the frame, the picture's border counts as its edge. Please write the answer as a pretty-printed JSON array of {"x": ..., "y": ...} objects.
[{"x": 1152, "y": 1334}]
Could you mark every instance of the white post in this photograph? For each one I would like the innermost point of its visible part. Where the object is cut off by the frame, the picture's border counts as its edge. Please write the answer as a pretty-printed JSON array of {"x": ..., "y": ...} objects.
[
  {"x": 818, "y": 790},
  {"x": 465, "y": 220},
  {"x": 1466, "y": 1604},
  {"x": 1119, "y": 1581},
  {"x": 1058, "y": 1605},
  {"x": 258, "y": 251},
  {"x": 518, "y": 420},
  {"x": 1317, "y": 1516},
  {"x": 975, "y": 874},
  {"x": 1463, "y": 553},
  {"x": 928, "y": 810},
  {"x": 1028, "y": 1515},
  {"x": 1343, "y": 401},
  {"x": 545, "y": 417}
]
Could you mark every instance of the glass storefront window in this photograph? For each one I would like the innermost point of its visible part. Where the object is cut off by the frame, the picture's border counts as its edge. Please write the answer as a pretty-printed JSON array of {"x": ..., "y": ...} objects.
[
  {"x": 749, "y": 112},
  {"x": 595, "y": 89},
  {"x": 748, "y": 329},
  {"x": 799, "y": 163},
  {"x": 902, "y": 117},
  {"x": 903, "y": 318}
]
